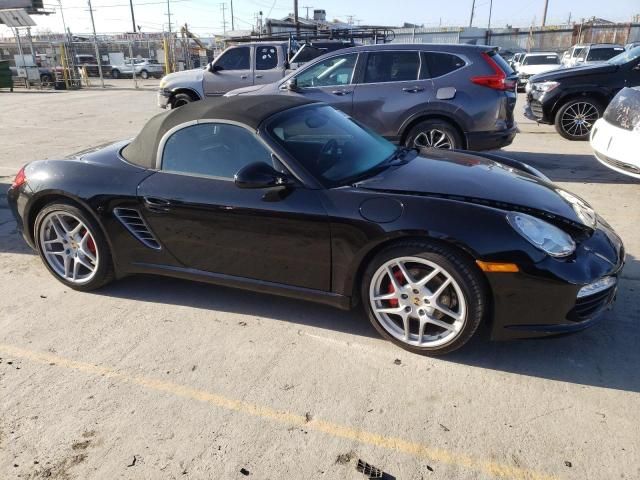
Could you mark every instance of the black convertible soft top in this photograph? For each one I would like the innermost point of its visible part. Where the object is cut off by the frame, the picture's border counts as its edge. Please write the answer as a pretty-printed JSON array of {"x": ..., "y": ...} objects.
[{"x": 250, "y": 110}]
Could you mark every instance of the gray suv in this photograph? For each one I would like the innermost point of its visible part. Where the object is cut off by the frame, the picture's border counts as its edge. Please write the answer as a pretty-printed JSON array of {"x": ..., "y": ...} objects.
[{"x": 443, "y": 96}]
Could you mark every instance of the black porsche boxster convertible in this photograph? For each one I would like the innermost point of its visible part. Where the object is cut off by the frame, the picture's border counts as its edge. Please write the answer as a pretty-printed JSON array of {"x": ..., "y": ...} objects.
[{"x": 291, "y": 197}]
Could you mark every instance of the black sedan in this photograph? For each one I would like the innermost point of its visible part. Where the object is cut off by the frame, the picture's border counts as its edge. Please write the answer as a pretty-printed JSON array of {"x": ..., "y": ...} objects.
[{"x": 291, "y": 197}]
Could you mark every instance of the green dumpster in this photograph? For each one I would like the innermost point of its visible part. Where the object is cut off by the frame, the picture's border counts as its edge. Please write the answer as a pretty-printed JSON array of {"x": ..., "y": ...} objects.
[{"x": 5, "y": 75}]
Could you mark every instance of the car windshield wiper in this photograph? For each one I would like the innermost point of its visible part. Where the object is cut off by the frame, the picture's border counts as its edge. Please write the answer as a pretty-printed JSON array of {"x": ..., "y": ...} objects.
[{"x": 401, "y": 156}]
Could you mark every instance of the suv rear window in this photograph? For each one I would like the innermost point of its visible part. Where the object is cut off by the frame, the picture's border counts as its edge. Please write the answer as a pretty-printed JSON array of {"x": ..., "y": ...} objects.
[
  {"x": 541, "y": 60},
  {"x": 502, "y": 63},
  {"x": 440, "y": 63},
  {"x": 391, "y": 67},
  {"x": 599, "y": 54}
]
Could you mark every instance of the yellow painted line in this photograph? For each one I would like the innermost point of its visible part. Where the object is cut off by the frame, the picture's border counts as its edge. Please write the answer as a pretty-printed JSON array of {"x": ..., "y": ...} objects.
[{"x": 426, "y": 452}]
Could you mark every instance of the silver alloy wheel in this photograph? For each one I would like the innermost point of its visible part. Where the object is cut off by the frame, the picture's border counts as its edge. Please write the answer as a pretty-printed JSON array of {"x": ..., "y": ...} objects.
[
  {"x": 418, "y": 302},
  {"x": 144, "y": 74},
  {"x": 69, "y": 247},
  {"x": 433, "y": 138},
  {"x": 578, "y": 119}
]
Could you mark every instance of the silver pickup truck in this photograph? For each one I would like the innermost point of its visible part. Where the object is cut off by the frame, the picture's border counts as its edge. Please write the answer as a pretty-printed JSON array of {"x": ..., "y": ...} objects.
[{"x": 238, "y": 66}]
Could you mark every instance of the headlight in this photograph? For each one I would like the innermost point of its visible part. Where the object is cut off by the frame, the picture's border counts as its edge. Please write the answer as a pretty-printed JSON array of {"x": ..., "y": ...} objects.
[
  {"x": 162, "y": 83},
  {"x": 542, "y": 235},
  {"x": 583, "y": 210},
  {"x": 545, "y": 86}
]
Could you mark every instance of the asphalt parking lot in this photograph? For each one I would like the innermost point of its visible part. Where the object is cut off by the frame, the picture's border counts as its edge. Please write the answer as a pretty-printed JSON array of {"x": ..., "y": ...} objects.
[{"x": 157, "y": 378}]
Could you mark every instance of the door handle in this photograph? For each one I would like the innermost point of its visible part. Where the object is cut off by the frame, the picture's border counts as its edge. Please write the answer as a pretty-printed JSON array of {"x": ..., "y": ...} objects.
[
  {"x": 341, "y": 93},
  {"x": 158, "y": 205},
  {"x": 413, "y": 89},
  {"x": 259, "y": 76},
  {"x": 243, "y": 76}
]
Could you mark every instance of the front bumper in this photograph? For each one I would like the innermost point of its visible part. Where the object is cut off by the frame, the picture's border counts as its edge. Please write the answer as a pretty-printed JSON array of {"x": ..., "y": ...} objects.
[
  {"x": 542, "y": 299},
  {"x": 163, "y": 98},
  {"x": 616, "y": 148},
  {"x": 491, "y": 140}
]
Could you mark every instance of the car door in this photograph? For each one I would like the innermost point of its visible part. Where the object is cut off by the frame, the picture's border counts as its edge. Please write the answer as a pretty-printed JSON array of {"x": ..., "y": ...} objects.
[
  {"x": 393, "y": 86},
  {"x": 268, "y": 66},
  {"x": 209, "y": 224},
  {"x": 329, "y": 80},
  {"x": 632, "y": 74},
  {"x": 231, "y": 70}
]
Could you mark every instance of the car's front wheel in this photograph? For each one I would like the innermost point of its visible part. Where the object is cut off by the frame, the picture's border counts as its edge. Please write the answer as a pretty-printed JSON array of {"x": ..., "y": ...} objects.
[
  {"x": 115, "y": 73},
  {"x": 144, "y": 74},
  {"x": 181, "y": 99},
  {"x": 424, "y": 296},
  {"x": 434, "y": 133},
  {"x": 575, "y": 118},
  {"x": 73, "y": 247}
]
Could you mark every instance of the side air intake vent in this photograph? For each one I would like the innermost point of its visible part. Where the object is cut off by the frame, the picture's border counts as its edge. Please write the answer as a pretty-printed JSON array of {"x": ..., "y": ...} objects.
[{"x": 134, "y": 222}]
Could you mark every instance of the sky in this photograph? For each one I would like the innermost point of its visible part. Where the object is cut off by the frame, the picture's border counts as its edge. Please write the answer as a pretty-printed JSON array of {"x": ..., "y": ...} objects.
[{"x": 204, "y": 17}]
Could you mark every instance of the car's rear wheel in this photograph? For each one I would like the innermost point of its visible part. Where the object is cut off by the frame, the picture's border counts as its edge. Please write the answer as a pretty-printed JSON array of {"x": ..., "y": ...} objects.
[
  {"x": 434, "y": 133},
  {"x": 424, "y": 296},
  {"x": 181, "y": 99},
  {"x": 575, "y": 118},
  {"x": 73, "y": 247},
  {"x": 45, "y": 80},
  {"x": 115, "y": 73},
  {"x": 144, "y": 74}
]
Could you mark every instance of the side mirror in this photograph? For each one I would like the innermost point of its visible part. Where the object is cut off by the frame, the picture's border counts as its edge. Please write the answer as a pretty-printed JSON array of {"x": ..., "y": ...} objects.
[
  {"x": 260, "y": 175},
  {"x": 292, "y": 85},
  {"x": 215, "y": 68}
]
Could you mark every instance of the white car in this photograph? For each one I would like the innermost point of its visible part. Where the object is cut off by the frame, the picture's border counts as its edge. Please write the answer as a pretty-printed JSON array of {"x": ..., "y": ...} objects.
[
  {"x": 534, "y": 63},
  {"x": 615, "y": 137},
  {"x": 144, "y": 67}
]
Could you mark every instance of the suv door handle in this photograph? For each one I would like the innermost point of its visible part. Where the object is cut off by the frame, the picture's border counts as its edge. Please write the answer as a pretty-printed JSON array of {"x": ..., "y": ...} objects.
[
  {"x": 259, "y": 76},
  {"x": 158, "y": 205},
  {"x": 412, "y": 89},
  {"x": 243, "y": 76},
  {"x": 341, "y": 93}
]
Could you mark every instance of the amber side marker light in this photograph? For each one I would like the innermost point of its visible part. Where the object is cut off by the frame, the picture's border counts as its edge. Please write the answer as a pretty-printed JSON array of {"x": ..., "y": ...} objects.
[{"x": 497, "y": 267}]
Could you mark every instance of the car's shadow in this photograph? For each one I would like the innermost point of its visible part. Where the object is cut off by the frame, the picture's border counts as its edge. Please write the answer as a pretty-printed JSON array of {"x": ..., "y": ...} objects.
[
  {"x": 571, "y": 168},
  {"x": 606, "y": 355}
]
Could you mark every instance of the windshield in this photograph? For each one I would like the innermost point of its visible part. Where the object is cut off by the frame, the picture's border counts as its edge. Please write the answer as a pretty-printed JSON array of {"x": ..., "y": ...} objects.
[
  {"x": 628, "y": 56},
  {"x": 541, "y": 60},
  {"x": 330, "y": 145}
]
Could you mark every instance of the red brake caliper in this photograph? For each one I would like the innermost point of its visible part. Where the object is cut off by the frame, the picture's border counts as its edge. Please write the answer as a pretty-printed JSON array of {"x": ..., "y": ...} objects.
[
  {"x": 400, "y": 278},
  {"x": 90, "y": 245}
]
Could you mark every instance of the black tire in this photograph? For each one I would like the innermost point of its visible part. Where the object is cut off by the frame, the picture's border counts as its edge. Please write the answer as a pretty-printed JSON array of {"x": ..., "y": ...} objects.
[
  {"x": 181, "y": 99},
  {"x": 45, "y": 80},
  {"x": 457, "y": 265},
  {"x": 573, "y": 131},
  {"x": 144, "y": 74},
  {"x": 420, "y": 134},
  {"x": 115, "y": 73},
  {"x": 105, "y": 272}
]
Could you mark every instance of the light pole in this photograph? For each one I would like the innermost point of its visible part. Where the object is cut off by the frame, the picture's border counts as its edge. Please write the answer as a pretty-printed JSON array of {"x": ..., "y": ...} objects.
[
  {"x": 95, "y": 44},
  {"x": 133, "y": 18}
]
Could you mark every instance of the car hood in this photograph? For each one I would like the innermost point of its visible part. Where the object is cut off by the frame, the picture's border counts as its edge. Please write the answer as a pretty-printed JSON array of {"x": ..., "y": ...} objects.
[
  {"x": 473, "y": 179},
  {"x": 180, "y": 78},
  {"x": 583, "y": 70},
  {"x": 536, "y": 69}
]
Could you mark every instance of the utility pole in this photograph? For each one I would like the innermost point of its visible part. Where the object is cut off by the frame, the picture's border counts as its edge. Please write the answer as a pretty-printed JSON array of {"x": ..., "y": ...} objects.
[
  {"x": 473, "y": 9},
  {"x": 95, "y": 44},
  {"x": 544, "y": 14},
  {"x": 490, "y": 10},
  {"x": 224, "y": 19},
  {"x": 133, "y": 18},
  {"x": 169, "y": 16},
  {"x": 232, "y": 27},
  {"x": 307, "y": 9},
  {"x": 295, "y": 18}
]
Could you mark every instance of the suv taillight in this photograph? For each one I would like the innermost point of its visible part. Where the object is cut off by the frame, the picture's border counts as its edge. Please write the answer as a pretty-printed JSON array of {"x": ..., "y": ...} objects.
[
  {"x": 20, "y": 179},
  {"x": 497, "y": 81}
]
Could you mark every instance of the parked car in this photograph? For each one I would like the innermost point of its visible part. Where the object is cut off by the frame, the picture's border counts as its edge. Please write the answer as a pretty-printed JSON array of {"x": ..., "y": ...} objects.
[
  {"x": 570, "y": 56},
  {"x": 284, "y": 195},
  {"x": 144, "y": 69},
  {"x": 47, "y": 75},
  {"x": 90, "y": 63},
  {"x": 516, "y": 59},
  {"x": 615, "y": 137},
  {"x": 442, "y": 96},
  {"x": 239, "y": 66},
  {"x": 534, "y": 63},
  {"x": 573, "y": 99},
  {"x": 597, "y": 53}
]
